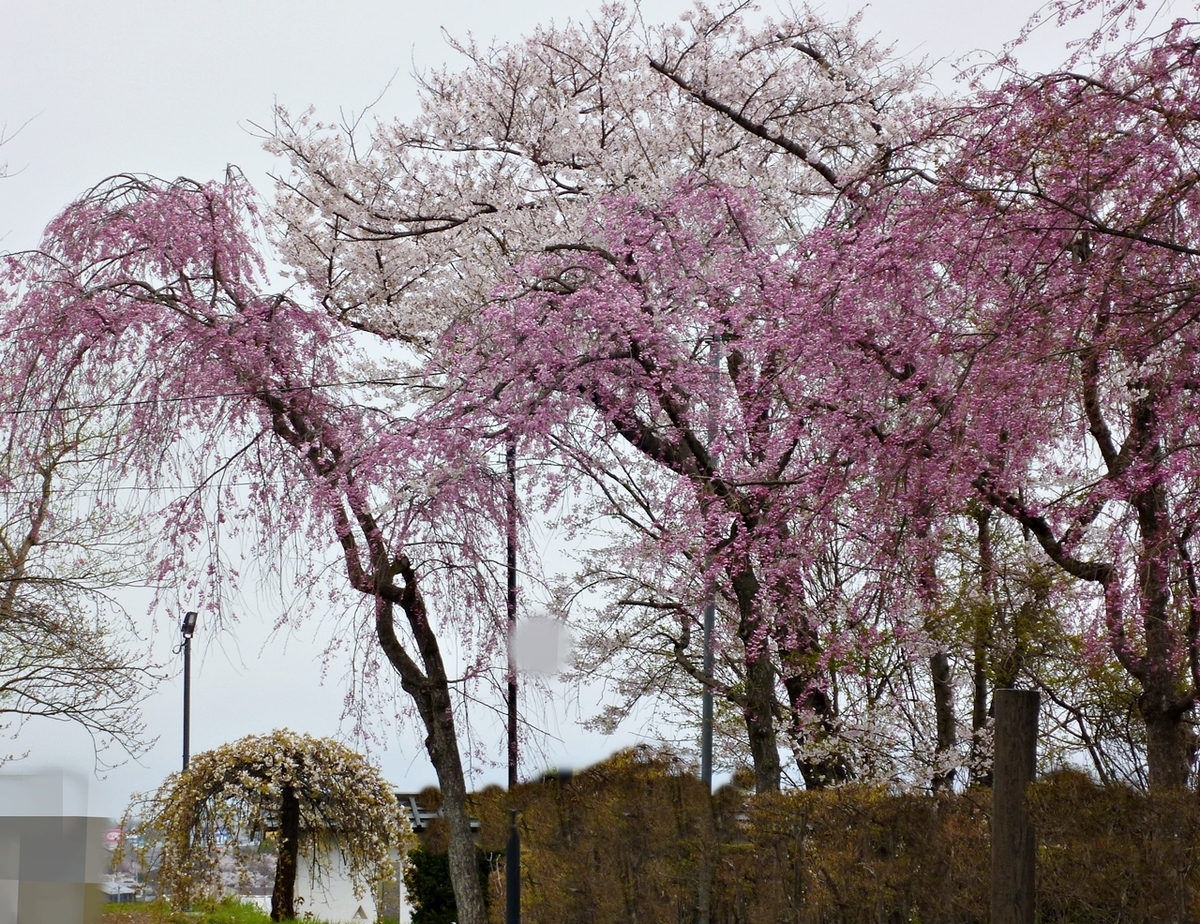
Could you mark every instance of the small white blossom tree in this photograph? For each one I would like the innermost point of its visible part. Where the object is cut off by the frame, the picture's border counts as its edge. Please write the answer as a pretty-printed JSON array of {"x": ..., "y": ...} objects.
[{"x": 315, "y": 794}]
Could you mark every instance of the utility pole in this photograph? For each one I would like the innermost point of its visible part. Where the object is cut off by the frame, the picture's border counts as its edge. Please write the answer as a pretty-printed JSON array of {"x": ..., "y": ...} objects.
[
  {"x": 512, "y": 856},
  {"x": 710, "y": 609},
  {"x": 704, "y": 898},
  {"x": 188, "y": 628},
  {"x": 510, "y": 465},
  {"x": 706, "y": 703}
]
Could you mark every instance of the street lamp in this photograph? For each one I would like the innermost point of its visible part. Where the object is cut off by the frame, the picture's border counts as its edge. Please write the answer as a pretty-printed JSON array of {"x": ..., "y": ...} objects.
[
  {"x": 512, "y": 860},
  {"x": 710, "y": 609},
  {"x": 188, "y": 628},
  {"x": 510, "y": 466}
]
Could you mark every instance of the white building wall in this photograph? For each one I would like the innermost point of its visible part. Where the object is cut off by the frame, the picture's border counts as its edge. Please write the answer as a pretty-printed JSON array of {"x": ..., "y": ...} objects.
[
  {"x": 330, "y": 896},
  {"x": 334, "y": 900}
]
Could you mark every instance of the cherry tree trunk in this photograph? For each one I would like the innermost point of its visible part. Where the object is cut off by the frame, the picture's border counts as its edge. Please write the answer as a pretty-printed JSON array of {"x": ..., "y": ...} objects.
[
  {"x": 1162, "y": 703},
  {"x": 284, "y": 893},
  {"x": 813, "y": 713},
  {"x": 759, "y": 704},
  {"x": 430, "y": 691},
  {"x": 981, "y": 771},
  {"x": 760, "y": 721},
  {"x": 812, "y": 722},
  {"x": 943, "y": 707},
  {"x": 1167, "y": 745},
  {"x": 442, "y": 747}
]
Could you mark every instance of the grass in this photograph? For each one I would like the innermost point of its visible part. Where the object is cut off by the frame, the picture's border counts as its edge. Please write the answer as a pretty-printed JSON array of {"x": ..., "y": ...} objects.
[{"x": 227, "y": 911}]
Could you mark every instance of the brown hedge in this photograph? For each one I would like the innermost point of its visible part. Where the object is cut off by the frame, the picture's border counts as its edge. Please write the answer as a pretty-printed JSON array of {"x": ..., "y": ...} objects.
[{"x": 634, "y": 840}]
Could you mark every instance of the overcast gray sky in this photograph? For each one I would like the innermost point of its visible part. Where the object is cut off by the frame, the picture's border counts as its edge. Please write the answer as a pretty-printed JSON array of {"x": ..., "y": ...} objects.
[{"x": 97, "y": 87}]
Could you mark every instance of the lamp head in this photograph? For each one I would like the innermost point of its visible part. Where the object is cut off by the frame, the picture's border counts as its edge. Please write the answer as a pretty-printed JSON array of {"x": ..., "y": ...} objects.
[{"x": 189, "y": 623}]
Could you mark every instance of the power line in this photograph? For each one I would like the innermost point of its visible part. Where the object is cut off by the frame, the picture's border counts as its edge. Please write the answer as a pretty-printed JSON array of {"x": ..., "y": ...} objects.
[
  {"x": 202, "y": 396},
  {"x": 164, "y": 489}
]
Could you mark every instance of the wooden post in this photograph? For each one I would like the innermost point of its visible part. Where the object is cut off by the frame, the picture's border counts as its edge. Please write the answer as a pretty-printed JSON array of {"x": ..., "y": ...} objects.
[{"x": 1012, "y": 829}]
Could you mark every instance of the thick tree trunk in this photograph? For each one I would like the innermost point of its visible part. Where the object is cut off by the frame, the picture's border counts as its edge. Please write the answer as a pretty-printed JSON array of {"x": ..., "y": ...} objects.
[
  {"x": 981, "y": 772},
  {"x": 1162, "y": 707},
  {"x": 812, "y": 712},
  {"x": 1168, "y": 744},
  {"x": 1162, "y": 703},
  {"x": 814, "y": 704},
  {"x": 442, "y": 746},
  {"x": 759, "y": 709},
  {"x": 430, "y": 690},
  {"x": 283, "y": 896},
  {"x": 760, "y": 721},
  {"x": 943, "y": 707}
]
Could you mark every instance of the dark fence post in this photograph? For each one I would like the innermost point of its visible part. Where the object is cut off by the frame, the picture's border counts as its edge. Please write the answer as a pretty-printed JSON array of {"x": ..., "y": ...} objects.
[
  {"x": 1012, "y": 830},
  {"x": 512, "y": 872}
]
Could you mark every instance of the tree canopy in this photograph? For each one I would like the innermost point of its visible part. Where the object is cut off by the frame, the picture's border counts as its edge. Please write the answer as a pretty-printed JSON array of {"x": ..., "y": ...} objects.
[
  {"x": 896, "y": 381},
  {"x": 68, "y": 546}
]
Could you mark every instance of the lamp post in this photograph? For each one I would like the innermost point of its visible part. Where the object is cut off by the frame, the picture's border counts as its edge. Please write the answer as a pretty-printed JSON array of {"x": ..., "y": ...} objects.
[
  {"x": 188, "y": 628},
  {"x": 510, "y": 465},
  {"x": 512, "y": 859},
  {"x": 710, "y": 616},
  {"x": 710, "y": 609}
]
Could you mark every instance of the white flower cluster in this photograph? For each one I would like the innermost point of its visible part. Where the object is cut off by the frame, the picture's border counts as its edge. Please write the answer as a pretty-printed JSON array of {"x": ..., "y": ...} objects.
[{"x": 234, "y": 793}]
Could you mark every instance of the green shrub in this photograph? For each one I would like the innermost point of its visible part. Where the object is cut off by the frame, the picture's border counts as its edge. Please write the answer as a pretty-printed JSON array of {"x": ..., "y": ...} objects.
[{"x": 427, "y": 883}]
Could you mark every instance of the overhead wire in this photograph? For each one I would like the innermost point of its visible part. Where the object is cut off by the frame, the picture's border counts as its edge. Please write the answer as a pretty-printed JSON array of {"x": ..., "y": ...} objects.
[{"x": 202, "y": 396}]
